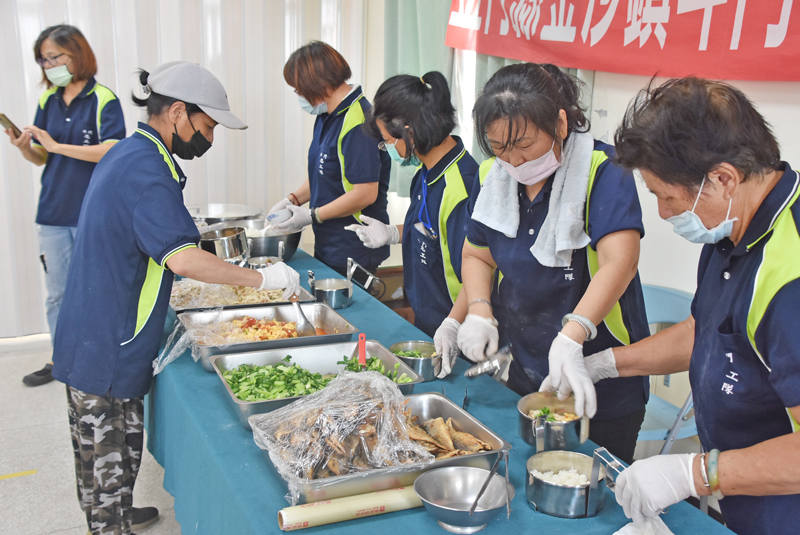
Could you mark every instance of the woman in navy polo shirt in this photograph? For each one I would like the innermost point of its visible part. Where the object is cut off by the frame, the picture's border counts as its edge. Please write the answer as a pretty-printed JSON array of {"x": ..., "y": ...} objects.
[
  {"x": 77, "y": 122},
  {"x": 715, "y": 168},
  {"x": 347, "y": 175},
  {"x": 553, "y": 248},
  {"x": 413, "y": 116}
]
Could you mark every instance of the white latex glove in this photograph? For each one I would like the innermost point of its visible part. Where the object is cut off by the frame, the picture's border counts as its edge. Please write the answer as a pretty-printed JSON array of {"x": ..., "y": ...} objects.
[
  {"x": 568, "y": 372},
  {"x": 446, "y": 341},
  {"x": 651, "y": 526},
  {"x": 651, "y": 485},
  {"x": 279, "y": 276},
  {"x": 602, "y": 365},
  {"x": 478, "y": 337},
  {"x": 375, "y": 233},
  {"x": 301, "y": 218},
  {"x": 280, "y": 205}
]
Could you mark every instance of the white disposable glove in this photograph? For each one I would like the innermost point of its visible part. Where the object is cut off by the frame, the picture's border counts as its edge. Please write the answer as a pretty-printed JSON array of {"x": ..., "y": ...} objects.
[
  {"x": 279, "y": 276},
  {"x": 602, "y": 365},
  {"x": 375, "y": 233},
  {"x": 446, "y": 341},
  {"x": 651, "y": 485},
  {"x": 301, "y": 218},
  {"x": 280, "y": 205},
  {"x": 477, "y": 337},
  {"x": 651, "y": 526},
  {"x": 568, "y": 372}
]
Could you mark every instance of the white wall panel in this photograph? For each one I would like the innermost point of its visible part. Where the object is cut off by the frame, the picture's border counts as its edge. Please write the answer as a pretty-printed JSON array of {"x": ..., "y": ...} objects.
[{"x": 245, "y": 43}]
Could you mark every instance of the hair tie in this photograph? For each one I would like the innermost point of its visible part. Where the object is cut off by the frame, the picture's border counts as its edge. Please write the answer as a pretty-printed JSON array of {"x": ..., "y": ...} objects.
[
  {"x": 146, "y": 89},
  {"x": 424, "y": 82}
]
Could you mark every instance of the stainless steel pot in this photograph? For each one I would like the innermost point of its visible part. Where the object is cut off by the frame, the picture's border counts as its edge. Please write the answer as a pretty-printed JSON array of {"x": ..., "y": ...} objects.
[
  {"x": 336, "y": 293},
  {"x": 547, "y": 436},
  {"x": 280, "y": 245},
  {"x": 260, "y": 262},
  {"x": 570, "y": 501},
  {"x": 424, "y": 366},
  {"x": 228, "y": 244}
]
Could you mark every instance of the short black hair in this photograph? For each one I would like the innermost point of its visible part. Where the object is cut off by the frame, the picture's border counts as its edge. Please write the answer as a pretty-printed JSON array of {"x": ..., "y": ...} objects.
[
  {"x": 156, "y": 103},
  {"x": 528, "y": 92},
  {"x": 422, "y": 103},
  {"x": 683, "y": 129}
]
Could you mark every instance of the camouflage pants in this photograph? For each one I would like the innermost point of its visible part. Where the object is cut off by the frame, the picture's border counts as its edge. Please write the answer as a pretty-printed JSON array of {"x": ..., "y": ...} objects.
[{"x": 107, "y": 438}]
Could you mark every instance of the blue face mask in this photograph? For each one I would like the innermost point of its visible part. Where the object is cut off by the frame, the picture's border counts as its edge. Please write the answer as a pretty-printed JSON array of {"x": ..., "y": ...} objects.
[
  {"x": 394, "y": 155},
  {"x": 319, "y": 109},
  {"x": 690, "y": 226}
]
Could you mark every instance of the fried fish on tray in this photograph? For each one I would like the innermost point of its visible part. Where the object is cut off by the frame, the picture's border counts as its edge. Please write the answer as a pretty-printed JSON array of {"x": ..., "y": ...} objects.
[
  {"x": 437, "y": 429},
  {"x": 465, "y": 441}
]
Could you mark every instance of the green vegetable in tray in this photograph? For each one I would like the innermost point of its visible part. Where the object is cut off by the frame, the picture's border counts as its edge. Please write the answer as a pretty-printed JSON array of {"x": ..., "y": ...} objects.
[
  {"x": 374, "y": 364},
  {"x": 414, "y": 354},
  {"x": 262, "y": 383}
]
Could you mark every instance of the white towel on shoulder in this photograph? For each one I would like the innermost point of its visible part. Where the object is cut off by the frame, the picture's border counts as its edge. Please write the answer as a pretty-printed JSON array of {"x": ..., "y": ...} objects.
[{"x": 497, "y": 205}]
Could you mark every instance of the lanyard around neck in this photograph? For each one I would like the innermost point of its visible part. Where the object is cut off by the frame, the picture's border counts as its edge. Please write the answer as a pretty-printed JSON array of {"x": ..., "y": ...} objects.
[{"x": 424, "y": 207}]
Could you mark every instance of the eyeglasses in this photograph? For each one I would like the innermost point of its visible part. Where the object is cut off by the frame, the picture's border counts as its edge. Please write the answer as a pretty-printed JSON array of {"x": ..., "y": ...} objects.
[
  {"x": 45, "y": 62},
  {"x": 382, "y": 145}
]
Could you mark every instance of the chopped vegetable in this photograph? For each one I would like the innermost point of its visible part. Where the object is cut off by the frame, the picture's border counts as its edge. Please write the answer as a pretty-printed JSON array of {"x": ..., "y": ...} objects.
[
  {"x": 413, "y": 354},
  {"x": 261, "y": 383},
  {"x": 551, "y": 416},
  {"x": 374, "y": 364}
]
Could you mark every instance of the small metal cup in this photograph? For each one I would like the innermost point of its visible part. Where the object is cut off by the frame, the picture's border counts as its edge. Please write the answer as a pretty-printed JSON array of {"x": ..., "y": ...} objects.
[{"x": 548, "y": 436}]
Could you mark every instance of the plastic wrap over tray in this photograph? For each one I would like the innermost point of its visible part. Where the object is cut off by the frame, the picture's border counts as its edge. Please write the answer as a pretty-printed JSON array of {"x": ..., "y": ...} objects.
[
  {"x": 317, "y": 359},
  {"x": 320, "y": 315},
  {"x": 354, "y": 424},
  {"x": 190, "y": 296},
  {"x": 425, "y": 406}
]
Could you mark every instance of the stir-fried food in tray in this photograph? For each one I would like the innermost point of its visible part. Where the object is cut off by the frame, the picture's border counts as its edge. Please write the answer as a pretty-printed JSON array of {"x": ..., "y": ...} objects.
[
  {"x": 188, "y": 293},
  {"x": 249, "y": 329}
]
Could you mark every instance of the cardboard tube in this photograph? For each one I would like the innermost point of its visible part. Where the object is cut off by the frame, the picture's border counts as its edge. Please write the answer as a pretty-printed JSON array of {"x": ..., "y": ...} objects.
[{"x": 341, "y": 509}]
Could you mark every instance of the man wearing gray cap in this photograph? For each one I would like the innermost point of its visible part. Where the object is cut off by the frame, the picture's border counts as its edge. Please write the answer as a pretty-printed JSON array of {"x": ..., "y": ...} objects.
[{"x": 134, "y": 234}]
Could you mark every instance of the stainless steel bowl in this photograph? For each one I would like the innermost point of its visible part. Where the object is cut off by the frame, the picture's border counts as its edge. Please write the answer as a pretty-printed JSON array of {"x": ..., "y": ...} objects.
[
  {"x": 336, "y": 293},
  {"x": 260, "y": 262},
  {"x": 228, "y": 243},
  {"x": 422, "y": 366},
  {"x": 281, "y": 245},
  {"x": 219, "y": 212},
  {"x": 447, "y": 494},
  {"x": 555, "y": 435},
  {"x": 566, "y": 501}
]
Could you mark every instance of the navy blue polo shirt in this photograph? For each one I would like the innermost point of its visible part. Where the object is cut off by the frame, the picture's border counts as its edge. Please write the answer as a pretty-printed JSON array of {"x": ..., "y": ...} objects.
[
  {"x": 745, "y": 367},
  {"x": 117, "y": 295},
  {"x": 529, "y": 299},
  {"x": 432, "y": 260},
  {"x": 341, "y": 155},
  {"x": 93, "y": 117}
]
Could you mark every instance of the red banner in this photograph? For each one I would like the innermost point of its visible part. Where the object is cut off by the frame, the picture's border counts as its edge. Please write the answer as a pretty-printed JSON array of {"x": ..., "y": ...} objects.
[{"x": 724, "y": 39}]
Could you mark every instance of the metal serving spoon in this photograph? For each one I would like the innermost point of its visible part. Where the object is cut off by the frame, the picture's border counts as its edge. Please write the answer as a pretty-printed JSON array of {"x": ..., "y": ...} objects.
[{"x": 304, "y": 327}]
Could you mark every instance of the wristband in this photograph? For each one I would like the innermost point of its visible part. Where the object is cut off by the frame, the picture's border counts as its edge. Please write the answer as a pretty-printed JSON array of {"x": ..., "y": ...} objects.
[
  {"x": 315, "y": 215},
  {"x": 713, "y": 474},
  {"x": 704, "y": 470},
  {"x": 583, "y": 321},
  {"x": 484, "y": 301},
  {"x": 296, "y": 200}
]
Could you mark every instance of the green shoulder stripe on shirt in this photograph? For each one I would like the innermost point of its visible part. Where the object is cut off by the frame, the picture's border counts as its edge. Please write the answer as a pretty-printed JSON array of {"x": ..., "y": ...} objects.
[
  {"x": 354, "y": 116},
  {"x": 44, "y": 97},
  {"x": 613, "y": 321},
  {"x": 163, "y": 151},
  {"x": 454, "y": 193},
  {"x": 104, "y": 96},
  {"x": 780, "y": 265},
  {"x": 484, "y": 169}
]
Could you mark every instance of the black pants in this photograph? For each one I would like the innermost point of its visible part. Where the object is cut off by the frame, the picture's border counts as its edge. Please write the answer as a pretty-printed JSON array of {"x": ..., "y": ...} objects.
[{"x": 618, "y": 435}]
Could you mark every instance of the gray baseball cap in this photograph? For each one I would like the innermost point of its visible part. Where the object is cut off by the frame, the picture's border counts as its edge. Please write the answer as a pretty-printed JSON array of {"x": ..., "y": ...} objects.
[{"x": 194, "y": 84}]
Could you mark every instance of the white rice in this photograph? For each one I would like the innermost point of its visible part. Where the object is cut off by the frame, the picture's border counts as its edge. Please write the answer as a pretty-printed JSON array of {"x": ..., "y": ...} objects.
[{"x": 564, "y": 477}]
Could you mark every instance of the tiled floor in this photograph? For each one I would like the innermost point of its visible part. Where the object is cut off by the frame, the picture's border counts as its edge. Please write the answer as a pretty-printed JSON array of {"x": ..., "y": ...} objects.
[{"x": 34, "y": 436}]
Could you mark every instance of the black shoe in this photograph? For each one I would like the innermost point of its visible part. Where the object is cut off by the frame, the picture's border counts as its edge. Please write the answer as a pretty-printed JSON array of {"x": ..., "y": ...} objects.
[
  {"x": 143, "y": 517},
  {"x": 39, "y": 378}
]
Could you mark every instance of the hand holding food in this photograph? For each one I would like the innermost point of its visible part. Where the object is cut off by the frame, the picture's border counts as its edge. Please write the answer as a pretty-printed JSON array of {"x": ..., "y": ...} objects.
[
  {"x": 651, "y": 485},
  {"x": 375, "y": 233},
  {"x": 568, "y": 372},
  {"x": 478, "y": 337},
  {"x": 446, "y": 341},
  {"x": 301, "y": 218},
  {"x": 280, "y": 276}
]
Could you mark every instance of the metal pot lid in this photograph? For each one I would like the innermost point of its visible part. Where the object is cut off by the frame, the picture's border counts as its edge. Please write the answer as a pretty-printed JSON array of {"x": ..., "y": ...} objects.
[{"x": 223, "y": 211}]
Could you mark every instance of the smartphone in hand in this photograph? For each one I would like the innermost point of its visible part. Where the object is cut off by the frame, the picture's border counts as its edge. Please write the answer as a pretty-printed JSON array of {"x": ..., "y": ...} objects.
[{"x": 6, "y": 123}]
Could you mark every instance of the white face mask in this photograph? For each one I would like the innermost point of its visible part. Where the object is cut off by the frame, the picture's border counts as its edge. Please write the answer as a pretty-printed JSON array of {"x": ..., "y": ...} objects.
[
  {"x": 690, "y": 226},
  {"x": 534, "y": 171},
  {"x": 319, "y": 109}
]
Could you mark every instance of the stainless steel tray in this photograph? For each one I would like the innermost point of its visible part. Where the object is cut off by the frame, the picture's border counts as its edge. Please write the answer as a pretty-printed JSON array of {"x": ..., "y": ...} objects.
[
  {"x": 320, "y": 315},
  {"x": 304, "y": 297},
  {"x": 426, "y": 406},
  {"x": 319, "y": 359}
]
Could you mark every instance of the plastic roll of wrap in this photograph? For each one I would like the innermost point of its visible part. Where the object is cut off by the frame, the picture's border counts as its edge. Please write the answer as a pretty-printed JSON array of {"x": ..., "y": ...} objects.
[{"x": 341, "y": 509}]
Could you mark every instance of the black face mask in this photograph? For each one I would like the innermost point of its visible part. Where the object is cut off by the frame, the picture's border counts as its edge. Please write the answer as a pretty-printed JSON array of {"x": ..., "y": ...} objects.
[{"x": 196, "y": 147}]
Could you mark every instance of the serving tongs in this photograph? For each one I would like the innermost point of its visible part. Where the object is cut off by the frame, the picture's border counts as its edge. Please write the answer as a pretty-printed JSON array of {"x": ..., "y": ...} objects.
[
  {"x": 497, "y": 364},
  {"x": 503, "y": 454}
]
